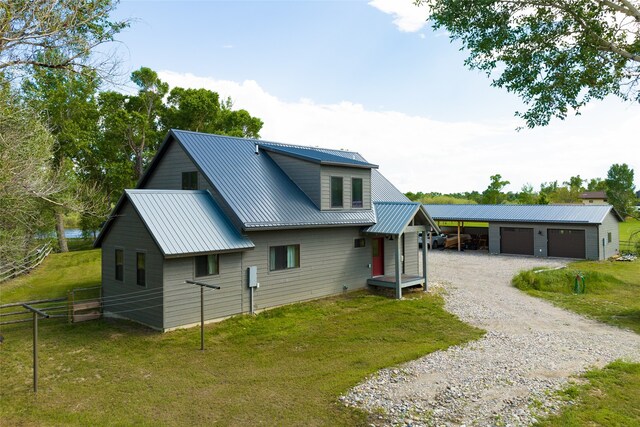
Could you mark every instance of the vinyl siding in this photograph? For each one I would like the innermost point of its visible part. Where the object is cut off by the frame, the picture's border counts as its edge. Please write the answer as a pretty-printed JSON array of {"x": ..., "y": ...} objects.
[
  {"x": 182, "y": 300},
  {"x": 127, "y": 299},
  {"x": 328, "y": 261},
  {"x": 609, "y": 225},
  {"x": 326, "y": 172},
  {"x": 540, "y": 240},
  {"x": 411, "y": 260},
  {"x": 167, "y": 175},
  {"x": 305, "y": 175}
]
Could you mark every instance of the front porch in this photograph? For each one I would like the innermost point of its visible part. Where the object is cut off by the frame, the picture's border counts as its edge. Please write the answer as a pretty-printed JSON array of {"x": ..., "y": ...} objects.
[{"x": 406, "y": 281}]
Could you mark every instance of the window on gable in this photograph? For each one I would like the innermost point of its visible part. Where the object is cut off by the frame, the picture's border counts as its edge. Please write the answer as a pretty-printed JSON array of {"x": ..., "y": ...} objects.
[
  {"x": 356, "y": 192},
  {"x": 336, "y": 191},
  {"x": 141, "y": 269},
  {"x": 206, "y": 265},
  {"x": 189, "y": 180},
  {"x": 119, "y": 264},
  {"x": 284, "y": 257}
]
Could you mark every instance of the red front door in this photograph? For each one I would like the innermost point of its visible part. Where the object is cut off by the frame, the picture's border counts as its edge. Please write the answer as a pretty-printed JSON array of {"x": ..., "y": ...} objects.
[{"x": 378, "y": 256}]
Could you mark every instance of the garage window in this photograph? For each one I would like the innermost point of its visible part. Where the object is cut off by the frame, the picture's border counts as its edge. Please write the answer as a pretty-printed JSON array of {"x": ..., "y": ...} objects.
[{"x": 609, "y": 239}]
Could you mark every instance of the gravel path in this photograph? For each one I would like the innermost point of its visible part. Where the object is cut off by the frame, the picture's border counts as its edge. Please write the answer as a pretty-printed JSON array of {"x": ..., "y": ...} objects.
[{"x": 531, "y": 348}]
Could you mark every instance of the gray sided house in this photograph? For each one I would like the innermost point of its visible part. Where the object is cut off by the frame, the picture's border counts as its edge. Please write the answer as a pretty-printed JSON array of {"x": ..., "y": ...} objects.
[
  {"x": 566, "y": 231},
  {"x": 269, "y": 223}
]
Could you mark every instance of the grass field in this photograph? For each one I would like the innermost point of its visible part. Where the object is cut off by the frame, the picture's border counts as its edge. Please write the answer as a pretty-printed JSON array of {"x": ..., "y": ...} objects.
[
  {"x": 610, "y": 396},
  {"x": 286, "y": 366}
]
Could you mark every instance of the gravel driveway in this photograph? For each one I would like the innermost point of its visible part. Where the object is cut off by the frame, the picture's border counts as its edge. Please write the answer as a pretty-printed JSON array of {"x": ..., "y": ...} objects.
[{"x": 531, "y": 348}]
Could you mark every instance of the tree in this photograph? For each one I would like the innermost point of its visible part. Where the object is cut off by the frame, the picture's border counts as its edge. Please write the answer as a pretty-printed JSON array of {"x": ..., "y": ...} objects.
[
  {"x": 557, "y": 55},
  {"x": 73, "y": 28},
  {"x": 135, "y": 119},
  {"x": 620, "y": 189},
  {"x": 596, "y": 184},
  {"x": 67, "y": 105},
  {"x": 493, "y": 194},
  {"x": 201, "y": 110},
  {"x": 27, "y": 181},
  {"x": 526, "y": 196}
]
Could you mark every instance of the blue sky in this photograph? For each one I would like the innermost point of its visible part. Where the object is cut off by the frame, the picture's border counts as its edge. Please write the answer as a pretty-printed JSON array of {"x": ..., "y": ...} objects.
[{"x": 370, "y": 77}]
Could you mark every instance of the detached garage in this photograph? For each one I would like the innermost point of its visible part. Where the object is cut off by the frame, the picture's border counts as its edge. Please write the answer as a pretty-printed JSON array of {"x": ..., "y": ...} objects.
[{"x": 565, "y": 231}]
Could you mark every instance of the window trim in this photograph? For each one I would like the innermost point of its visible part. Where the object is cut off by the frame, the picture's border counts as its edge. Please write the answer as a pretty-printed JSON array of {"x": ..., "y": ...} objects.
[
  {"x": 609, "y": 237},
  {"x": 297, "y": 260},
  {"x": 195, "y": 266},
  {"x": 144, "y": 253},
  {"x": 360, "y": 242},
  {"x": 357, "y": 203},
  {"x": 115, "y": 262},
  {"x": 331, "y": 204},
  {"x": 189, "y": 173}
]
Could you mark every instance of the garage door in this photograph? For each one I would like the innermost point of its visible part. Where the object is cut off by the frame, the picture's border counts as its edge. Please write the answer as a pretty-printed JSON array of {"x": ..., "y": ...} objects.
[
  {"x": 516, "y": 240},
  {"x": 566, "y": 243}
]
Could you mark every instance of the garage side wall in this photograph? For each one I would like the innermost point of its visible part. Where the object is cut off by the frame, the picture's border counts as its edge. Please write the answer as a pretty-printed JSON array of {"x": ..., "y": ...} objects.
[
  {"x": 609, "y": 225},
  {"x": 540, "y": 240}
]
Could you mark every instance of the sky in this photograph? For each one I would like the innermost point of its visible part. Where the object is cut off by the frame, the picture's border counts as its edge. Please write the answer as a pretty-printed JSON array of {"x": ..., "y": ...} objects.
[{"x": 372, "y": 77}]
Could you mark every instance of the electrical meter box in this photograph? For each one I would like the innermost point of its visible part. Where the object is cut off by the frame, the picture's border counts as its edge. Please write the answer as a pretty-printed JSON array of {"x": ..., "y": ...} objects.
[{"x": 253, "y": 277}]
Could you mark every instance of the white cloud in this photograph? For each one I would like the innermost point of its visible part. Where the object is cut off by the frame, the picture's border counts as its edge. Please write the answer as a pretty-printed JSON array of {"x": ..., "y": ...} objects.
[
  {"x": 406, "y": 15},
  {"x": 421, "y": 154}
]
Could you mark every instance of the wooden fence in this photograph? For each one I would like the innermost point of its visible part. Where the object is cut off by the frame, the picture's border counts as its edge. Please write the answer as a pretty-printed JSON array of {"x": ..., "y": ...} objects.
[{"x": 28, "y": 263}]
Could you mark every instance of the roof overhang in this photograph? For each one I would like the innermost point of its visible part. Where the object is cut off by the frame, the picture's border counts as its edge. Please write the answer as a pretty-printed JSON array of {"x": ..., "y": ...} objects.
[{"x": 396, "y": 218}]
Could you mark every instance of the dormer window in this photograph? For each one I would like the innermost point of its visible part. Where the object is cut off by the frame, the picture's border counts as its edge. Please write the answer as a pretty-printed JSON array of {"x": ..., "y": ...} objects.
[
  {"x": 336, "y": 192},
  {"x": 356, "y": 192},
  {"x": 189, "y": 180}
]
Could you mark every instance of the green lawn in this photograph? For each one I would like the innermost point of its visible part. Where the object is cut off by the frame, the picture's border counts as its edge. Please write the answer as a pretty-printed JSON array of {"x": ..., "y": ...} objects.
[
  {"x": 286, "y": 366},
  {"x": 612, "y": 290},
  {"x": 627, "y": 227},
  {"x": 610, "y": 396}
]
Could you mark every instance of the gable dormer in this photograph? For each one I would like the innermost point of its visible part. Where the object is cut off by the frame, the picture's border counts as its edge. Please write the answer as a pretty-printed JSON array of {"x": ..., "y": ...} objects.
[{"x": 333, "y": 180}]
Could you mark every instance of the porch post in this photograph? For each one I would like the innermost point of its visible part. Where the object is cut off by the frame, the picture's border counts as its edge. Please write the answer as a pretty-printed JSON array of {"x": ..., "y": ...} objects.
[
  {"x": 424, "y": 256},
  {"x": 459, "y": 245},
  {"x": 398, "y": 267}
]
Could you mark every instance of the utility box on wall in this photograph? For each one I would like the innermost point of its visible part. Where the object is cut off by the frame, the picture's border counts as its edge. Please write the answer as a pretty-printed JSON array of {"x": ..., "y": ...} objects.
[{"x": 253, "y": 277}]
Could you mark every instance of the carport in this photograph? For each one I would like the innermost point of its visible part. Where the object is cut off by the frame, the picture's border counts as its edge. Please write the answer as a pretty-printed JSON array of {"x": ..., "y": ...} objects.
[{"x": 565, "y": 231}]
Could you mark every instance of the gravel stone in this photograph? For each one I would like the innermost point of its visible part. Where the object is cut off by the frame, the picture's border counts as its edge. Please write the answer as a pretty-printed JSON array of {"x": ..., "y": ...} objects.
[{"x": 507, "y": 378}]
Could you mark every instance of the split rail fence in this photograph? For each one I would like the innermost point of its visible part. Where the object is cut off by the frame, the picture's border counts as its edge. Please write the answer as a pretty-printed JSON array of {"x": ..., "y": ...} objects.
[{"x": 28, "y": 263}]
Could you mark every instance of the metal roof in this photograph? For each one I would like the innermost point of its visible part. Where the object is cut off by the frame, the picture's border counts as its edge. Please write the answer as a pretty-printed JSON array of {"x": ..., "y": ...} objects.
[
  {"x": 259, "y": 193},
  {"x": 186, "y": 222},
  {"x": 394, "y": 217},
  {"x": 384, "y": 191},
  {"x": 570, "y": 214},
  {"x": 328, "y": 157},
  {"x": 593, "y": 195}
]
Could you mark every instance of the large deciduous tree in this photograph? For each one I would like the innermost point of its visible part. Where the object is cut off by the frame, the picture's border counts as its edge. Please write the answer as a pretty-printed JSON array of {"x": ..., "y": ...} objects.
[
  {"x": 66, "y": 103},
  {"x": 620, "y": 189},
  {"x": 74, "y": 28},
  {"x": 557, "y": 55}
]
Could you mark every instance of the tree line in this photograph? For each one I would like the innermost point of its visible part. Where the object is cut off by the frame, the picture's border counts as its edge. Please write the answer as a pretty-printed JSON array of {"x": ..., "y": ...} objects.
[
  {"x": 618, "y": 187},
  {"x": 67, "y": 144}
]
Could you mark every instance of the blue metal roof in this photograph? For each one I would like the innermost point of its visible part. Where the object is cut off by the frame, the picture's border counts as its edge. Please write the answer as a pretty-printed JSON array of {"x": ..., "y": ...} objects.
[
  {"x": 186, "y": 222},
  {"x": 394, "y": 217},
  {"x": 322, "y": 156},
  {"x": 259, "y": 193},
  {"x": 384, "y": 191},
  {"x": 570, "y": 214}
]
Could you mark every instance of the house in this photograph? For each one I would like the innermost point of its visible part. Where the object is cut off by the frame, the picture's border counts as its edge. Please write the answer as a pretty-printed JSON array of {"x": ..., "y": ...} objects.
[
  {"x": 566, "y": 231},
  {"x": 594, "y": 197},
  {"x": 268, "y": 223}
]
